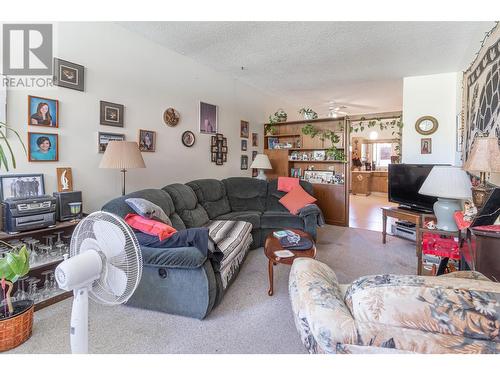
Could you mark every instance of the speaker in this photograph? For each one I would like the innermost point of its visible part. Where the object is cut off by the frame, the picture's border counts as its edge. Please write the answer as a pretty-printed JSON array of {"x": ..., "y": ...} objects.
[{"x": 63, "y": 212}]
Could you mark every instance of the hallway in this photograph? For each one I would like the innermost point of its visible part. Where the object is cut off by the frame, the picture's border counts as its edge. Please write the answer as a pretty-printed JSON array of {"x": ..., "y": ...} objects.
[{"x": 365, "y": 213}]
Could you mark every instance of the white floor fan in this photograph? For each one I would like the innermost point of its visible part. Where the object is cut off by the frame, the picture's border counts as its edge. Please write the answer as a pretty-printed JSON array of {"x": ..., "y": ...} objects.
[{"x": 105, "y": 264}]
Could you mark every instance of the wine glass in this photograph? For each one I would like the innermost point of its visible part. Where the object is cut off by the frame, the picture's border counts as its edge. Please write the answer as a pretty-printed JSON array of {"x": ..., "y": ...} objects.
[{"x": 75, "y": 208}]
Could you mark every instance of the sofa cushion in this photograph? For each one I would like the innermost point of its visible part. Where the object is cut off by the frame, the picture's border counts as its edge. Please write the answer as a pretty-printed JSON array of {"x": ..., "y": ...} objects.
[
  {"x": 296, "y": 199},
  {"x": 212, "y": 196},
  {"x": 287, "y": 184},
  {"x": 274, "y": 195},
  {"x": 119, "y": 207},
  {"x": 187, "y": 206},
  {"x": 252, "y": 217},
  {"x": 148, "y": 210},
  {"x": 280, "y": 219},
  {"x": 150, "y": 226},
  {"x": 246, "y": 194}
]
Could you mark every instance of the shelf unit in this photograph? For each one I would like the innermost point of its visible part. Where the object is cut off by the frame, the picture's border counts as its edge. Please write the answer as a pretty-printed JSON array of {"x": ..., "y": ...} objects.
[
  {"x": 333, "y": 199},
  {"x": 67, "y": 228}
]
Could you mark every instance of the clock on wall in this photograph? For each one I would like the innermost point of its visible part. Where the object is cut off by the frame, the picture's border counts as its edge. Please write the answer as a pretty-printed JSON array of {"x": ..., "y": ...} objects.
[{"x": 426, "y": 125}]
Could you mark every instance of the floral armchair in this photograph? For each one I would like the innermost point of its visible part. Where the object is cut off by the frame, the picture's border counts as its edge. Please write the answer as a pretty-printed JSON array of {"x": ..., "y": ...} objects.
[{"x": 455, "y": 313}]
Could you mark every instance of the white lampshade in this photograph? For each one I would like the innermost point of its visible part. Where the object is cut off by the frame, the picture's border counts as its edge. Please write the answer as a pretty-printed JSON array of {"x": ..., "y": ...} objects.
[
  {"x": 122, "y": 155},
  {"x": 447, "y": 182},
  {"x": 261, "y": 161}
]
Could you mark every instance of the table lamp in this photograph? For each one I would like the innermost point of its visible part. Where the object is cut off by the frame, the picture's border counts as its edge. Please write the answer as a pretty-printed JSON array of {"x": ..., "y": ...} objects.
[
  {"x": 261, "y": 162},
  {"x": 449, "y": 185},
  {"x": 483, "y": 158},
  {"x": 122, "y": 155}
]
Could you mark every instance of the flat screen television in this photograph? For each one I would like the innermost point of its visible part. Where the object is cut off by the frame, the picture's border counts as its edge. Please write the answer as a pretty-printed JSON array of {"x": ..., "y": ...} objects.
[{"x": 405, "y": 181}]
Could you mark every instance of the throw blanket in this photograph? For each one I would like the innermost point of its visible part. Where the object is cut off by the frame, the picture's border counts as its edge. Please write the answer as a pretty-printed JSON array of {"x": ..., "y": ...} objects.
[
  {"x": 313, "y": 209},
  {"x": 192, "y": 237}
]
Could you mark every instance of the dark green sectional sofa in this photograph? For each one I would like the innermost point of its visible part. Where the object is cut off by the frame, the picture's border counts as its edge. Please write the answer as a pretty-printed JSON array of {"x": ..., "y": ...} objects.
[{"x": 183, "y": 281}]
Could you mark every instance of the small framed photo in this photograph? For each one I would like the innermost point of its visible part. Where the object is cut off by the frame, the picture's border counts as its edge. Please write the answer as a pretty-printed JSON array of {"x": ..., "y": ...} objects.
[
  {"x": 147, "y": 140},
  {"x": 214, "y": 157},
  {"x": 219, "y": 161},
  {"x": 64, "y": 179},
  {"x": 43, "y": 147},
  {"x": 208, "y": 118},
  {"x": 43, "y": 111},
  {"x": 111, "y": 114},
  {"x": 319, "y": 155},
  {"x": 244, "y": 162},
  {"x": 224, "y": 158},
  {"x": 213, "y": 140},
  {"x": 224, "y": 150},
  {"x": 243, "y": 145},
  {"x": 255, "y": 140},
  {"x": 188, "y": 138},
  {"x": 69, "y": 75},
  {"x": 244, "y": 129},
  {"x": 254, "y": 155},
  {"x": 104, "y": 138},
  {"x": 220, "y": 136},
  {"x": 21, "y": 186},
  {"x": 224, "y": 142},
  {"x": 426, "y": 146}
]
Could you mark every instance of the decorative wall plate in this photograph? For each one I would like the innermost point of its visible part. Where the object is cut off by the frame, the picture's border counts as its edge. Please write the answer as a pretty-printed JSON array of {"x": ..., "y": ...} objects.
[
  {"x": 171, "y": 117},
  {"x": 188, "y": 138},
  {"x": 426, "y": 125}
]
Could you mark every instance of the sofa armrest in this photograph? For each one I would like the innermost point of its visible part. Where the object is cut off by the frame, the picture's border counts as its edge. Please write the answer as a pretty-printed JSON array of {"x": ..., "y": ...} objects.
[
  {"x": 321, "y": 316},
  {"x": 472, "y": 275},
  {"x": 175, "y": 257}
]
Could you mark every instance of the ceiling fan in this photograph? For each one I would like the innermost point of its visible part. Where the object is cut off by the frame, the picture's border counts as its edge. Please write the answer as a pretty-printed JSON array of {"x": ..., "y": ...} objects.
[{"x": 335, "y": 110}]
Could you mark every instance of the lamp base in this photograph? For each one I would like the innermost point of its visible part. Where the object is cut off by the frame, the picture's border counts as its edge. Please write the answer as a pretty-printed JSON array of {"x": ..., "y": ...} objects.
[
  {"x": 261, "y": 175},
  {"x": 480, "y": 195},
  {"x": 444, "y": 209}
]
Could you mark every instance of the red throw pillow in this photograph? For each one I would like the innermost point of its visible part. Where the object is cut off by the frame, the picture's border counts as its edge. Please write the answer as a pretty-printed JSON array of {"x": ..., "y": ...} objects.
[
  {"x": 296, "y": 199},
  {"x": 150, "y": 226},
  {"x": 287, "y": 183}
]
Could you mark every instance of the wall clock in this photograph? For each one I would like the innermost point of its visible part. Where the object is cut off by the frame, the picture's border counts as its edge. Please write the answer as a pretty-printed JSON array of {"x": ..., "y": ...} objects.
[
  {"x": 426, "y": 125},
  {"x": 171, "y": 117}
]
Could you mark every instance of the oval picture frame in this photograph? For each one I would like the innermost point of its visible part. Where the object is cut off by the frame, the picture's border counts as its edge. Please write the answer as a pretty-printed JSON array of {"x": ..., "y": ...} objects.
[
  {"x": 188, "y": 138},
  {"x": 171, "y": 117},
  {"x": 430, "y": 131}
]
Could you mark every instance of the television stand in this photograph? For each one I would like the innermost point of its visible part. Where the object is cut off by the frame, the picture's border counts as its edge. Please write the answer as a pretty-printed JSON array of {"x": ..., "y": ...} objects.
[
  {"x": 400, "y": 214},
  {"x": 414, "y": 209}
]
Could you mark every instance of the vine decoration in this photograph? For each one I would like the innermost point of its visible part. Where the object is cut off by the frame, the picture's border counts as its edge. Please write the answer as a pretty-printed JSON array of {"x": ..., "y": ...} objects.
[
  {"x": 334, "y": 152},
  {"x": 396, "y": 124}
]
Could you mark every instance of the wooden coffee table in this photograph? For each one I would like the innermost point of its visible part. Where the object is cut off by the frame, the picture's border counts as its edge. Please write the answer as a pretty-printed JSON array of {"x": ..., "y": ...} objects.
[{"x": 273, "y": 244}]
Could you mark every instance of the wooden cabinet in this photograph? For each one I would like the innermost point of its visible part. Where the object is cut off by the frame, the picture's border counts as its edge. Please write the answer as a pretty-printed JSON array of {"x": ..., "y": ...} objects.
[
  {"x": 361, "y": 182},
  {"x": 380, "y": 181},
  {"x": 333, "y": 198}
]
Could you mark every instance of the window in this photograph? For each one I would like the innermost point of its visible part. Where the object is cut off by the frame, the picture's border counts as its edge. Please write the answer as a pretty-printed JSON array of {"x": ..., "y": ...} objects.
[{"x": 382, "y": 154}]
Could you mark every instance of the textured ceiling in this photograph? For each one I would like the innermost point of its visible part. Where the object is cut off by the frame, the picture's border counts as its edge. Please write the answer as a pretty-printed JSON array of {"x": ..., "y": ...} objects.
[{"x": 358, "y": 64}]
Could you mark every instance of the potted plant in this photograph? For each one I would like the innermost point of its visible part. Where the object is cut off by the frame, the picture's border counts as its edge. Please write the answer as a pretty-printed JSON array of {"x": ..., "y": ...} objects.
[
  {"x": 16, "y": 318},
  {"x": 3, "y": 155},
  {"x": 270, "y": 128},
  {"x": 308, "y": 113},
  {"x": 280, "y": 115}
]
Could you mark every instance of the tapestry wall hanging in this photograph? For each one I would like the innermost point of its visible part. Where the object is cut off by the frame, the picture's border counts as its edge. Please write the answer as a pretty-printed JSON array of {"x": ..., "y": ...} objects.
[{"x": 481, "y": 96}]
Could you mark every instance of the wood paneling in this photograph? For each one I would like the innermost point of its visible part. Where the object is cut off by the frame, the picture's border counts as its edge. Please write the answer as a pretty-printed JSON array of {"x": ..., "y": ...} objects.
[
  {"x": 331, "y": 199},
  {"x": 279, "y": 162}
]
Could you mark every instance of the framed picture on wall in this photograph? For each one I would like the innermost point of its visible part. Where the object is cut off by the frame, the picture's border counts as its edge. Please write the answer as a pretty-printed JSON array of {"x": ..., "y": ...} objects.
[
  {"x": 208, "y": 118},
  {"x": 426, "y": 146},
  {"x": 69, "y": 75},
  {"x": 255, "y": 140},
  {"x": 244, "y": 129},
  {"x": 147, "y": 140},
  {"x": 43, "y": 147},
  {"x": 104, "y": 138},
  {"x": 111, "y": 114},
  {"x": 244, "y": 162},
  {"x": 43, "y": 111},
  {"x": 243, "y": 145}
]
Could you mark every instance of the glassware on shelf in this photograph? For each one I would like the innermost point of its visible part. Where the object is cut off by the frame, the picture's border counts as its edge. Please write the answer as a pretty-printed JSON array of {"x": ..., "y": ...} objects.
[
  {"x": 33, "y": 292},
  {"x": 47, "y": 289},
  {"x": 59, "y": 238},
  {"x": 75, "y": 208},
  {"x": 49, "y": 239},
  {"x": 21, "y": 291}
]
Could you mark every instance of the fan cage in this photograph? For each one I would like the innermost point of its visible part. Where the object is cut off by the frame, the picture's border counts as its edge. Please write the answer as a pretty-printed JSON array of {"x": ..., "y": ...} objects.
[{"x": 129, "y": 260}]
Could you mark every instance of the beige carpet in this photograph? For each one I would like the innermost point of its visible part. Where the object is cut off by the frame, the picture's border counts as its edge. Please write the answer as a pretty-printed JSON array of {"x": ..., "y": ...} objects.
[{"x": 247, "y": 320}]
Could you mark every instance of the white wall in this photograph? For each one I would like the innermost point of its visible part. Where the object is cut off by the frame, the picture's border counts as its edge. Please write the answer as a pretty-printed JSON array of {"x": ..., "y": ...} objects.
[
  {"x": 146, "y": 78},
  {"x": 432, "y": 95}
]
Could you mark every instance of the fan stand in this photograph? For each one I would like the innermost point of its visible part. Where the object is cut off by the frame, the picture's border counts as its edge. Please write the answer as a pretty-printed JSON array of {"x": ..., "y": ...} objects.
[{"x": 79, "y": 331}]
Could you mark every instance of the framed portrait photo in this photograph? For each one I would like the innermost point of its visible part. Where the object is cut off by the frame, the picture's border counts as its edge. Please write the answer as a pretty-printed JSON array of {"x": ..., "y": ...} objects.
[
  {"x": 21, "y": 186},
  {"x": 43, "y": 112},
  {"x": 111, "y": 114},
  {"x": 243, "y": 145},
  {"x": 255, "y": 140},
  {"x": 104, "y": 138},
  {"x": 244, "y": 162},
  {"x": 43, "y": 147},
  {"x": 147, "y": 140},
  {"x": 244, "y": 129},
  {"x": 69, "y": 75},
  {"x": 208, "y": 118},
  {"x": 188, "y": 138},
  {"x": 426, "y": 146}
]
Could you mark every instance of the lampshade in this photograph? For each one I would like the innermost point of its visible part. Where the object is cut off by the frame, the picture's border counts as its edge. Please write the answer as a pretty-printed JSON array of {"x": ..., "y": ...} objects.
[
  {"x": 261, "y": 161},
  {"x": 122, "y": 155},
  {"x": 447, "y": 182},
  {"x": 484, "y": 156}
]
